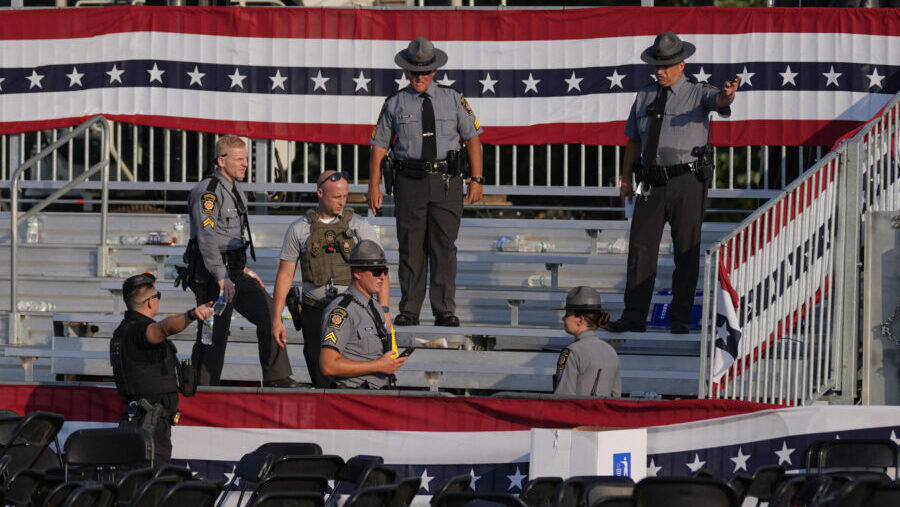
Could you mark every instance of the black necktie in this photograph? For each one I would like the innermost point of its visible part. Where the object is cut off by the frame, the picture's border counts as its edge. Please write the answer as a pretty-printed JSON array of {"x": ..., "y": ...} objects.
[
  {"x": 429, "y": 143},
  {"x": 659, "y": 109},
  {"x": 245, "y": 221}
]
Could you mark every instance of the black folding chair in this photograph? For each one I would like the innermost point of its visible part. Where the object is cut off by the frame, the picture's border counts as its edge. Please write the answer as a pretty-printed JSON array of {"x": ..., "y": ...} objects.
[
  {"x": 129, "y": 484},
  {"x": 252, "y": 468},
  {"x": 581, "y": 491},
  {"x": 886, "y": 495},
  {"x": 455, "y": 484},
  {"x": 288, "y": 499},
  {"x": 472, "y": 498},
  {"x": 615, "y": 501},
  {"x": 377, "y": 496},
  {"x": 103, "y": 453},
  {"x": 301, "y": 483},
  {"x": 28, "y": 442},
  {"x": 60, "y": 493},
  {"x": 327, "y": 465},
  {"x": 405, "y": 491},
  {"x": 801, "y": 490},
  {"x": 182, "y": 473},
  {"x": 540, "y": 491},
  {"x": 92, "y": 495},
  {"x": 682, "y": 492},
  {"x": 859, "y": 456},
  {"x": 740, "y": 483},
  {"x": 21, "y": 487},
  {"x": 765, "y": 481},
  {"x": 376, "y": 475},
  {"x": 191, "y": 494},
  {"x": 152, "y": 491},
  {"x": 279, "y": 449},
  {"x": 856, "y": 493}
]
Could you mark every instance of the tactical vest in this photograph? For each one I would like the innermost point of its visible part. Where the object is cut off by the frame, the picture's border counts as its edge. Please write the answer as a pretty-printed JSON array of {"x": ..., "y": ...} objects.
[
  {"x": 140, "y": 378},
  {"x": 327, "y": 250}
]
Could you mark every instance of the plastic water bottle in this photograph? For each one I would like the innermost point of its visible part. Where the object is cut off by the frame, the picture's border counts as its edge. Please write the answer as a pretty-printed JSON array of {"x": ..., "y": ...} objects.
[
  {"x": 666, "y": 248},
  {"x": 619, "y": 246},
  {"x": 35, "y": 306},
  {"x": 535, "y": 246},
  {"x": 124, "y": 271},
  {"x": 33, "y": 230},
  {"x": 538, "y": 281},
  {"x": 206, "y": 336},
  {"x": 507, "y": 244},
  {"x": 178, "y": 230}
]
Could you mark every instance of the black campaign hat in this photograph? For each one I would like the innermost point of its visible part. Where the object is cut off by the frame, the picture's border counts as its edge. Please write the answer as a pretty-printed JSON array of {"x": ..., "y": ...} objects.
[
  {"x": 420, "y": 56},
  {"x": 367, "y": 253},
  {"x": 583, "y": 299},
  {"x": 667, "y": 49},
  {"x": 133, "y": 283}
]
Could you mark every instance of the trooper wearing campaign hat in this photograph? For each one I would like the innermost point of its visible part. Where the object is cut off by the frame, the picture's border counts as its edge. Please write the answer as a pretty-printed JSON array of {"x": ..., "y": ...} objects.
[
  {"x": 589, "y": 366},
  {"x": 422, "y": 124},
  {"x": 356, "y": 343},
  {"x": 669, "y": 156}
]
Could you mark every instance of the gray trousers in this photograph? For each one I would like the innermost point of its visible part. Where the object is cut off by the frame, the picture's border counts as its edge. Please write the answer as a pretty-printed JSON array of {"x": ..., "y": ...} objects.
[
  {"x": 312, "y": 344},
  {"x": 428, "y": 215},
  {"x": 682, "y": 203},
  {"x": 254, "y": 303}
]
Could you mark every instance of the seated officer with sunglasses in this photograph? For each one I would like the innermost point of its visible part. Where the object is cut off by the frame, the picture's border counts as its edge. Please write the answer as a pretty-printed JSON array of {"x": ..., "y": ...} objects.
[
  {"x": 356, "y": 343},
  {"x": 145, "y": 365},
  {"x": 428, "y": 121},
  {"x": 321, "y": 242}
]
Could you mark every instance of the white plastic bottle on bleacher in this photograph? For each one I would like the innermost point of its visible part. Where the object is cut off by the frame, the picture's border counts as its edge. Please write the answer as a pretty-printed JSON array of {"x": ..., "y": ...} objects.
[
  {"x": 538, "y": 281},
  {"x": 619, "y": 246},
  {"x": 33, "y": 230},
  {"x": 178, "y": 231}
]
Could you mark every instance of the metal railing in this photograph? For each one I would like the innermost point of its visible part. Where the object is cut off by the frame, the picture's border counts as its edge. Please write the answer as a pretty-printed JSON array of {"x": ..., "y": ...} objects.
[
  {"x": 160, "y": 159},
  {"x": 794, "y": 268},
  {"x": 16, "y": 219}
]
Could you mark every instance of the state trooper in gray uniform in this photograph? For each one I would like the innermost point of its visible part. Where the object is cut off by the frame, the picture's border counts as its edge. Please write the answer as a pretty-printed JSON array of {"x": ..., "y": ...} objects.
[
  {"x": 589, "y": 366},
  {"x": 321, "y": 242},
  {"x": 428, "y": 120},
  {"x": 668, "y": 129},
  {"x": 356, "y": 344},
  {"x": 217, "y": 262}
]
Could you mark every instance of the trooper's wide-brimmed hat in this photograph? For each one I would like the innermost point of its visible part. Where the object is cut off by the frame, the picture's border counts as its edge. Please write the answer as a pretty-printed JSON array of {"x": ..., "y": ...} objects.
[
  {"x": 367, "y": 254},
  {"x": 667, "y": 49},
  {"x": 583, "y": 299},
  {"x": 421, "y": 56}
]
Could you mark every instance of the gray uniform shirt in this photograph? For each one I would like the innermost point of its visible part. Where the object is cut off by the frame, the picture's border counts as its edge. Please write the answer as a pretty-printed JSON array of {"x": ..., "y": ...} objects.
[
  {"x": 349, "y": 327},
  {"x": 402, "y": 115},
  {"x": 294, "y": 247},
  {"x": 580, "y": 362},
  {"x": 685, "y": 124},
  {"x": 215, "y": 221}
]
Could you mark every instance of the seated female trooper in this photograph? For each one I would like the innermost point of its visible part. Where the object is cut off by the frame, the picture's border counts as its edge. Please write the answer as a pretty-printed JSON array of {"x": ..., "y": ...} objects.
[{"x": 589, "y": 366}]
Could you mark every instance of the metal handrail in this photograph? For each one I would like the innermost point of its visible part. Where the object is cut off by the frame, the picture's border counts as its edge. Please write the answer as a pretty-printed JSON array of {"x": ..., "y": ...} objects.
[{"x": 16, "y": 220}]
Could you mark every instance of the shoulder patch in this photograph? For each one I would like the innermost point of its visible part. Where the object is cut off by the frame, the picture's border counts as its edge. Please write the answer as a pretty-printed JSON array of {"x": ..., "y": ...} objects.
[
  {"x": 209, "y": 222},
  {"x": 330, "y": 337},
  {"x": 336, "y": 318},
  {"x": 468, "y": 108},
  {"x": 563, "y": 357},
  {"x": 208, "y": 203}
]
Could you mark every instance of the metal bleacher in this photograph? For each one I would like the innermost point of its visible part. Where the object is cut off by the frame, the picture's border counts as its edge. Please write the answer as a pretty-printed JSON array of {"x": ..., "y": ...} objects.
[{"x": 510, "y": 334}]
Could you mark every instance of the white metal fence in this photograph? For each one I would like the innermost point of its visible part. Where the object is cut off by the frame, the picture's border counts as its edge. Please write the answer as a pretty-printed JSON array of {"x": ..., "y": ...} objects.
[{"x": 794, "y": 268}]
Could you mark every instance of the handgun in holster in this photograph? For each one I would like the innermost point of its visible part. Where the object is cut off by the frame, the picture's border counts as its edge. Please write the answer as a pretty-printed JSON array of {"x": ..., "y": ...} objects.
[
  {"x": 294, "y": 305},
  {"x": 193, "y": 270},
  {"x": 706, "y": 164},
  {"x": 388, "y": 171},
  {"x": 458, "y": 162}
]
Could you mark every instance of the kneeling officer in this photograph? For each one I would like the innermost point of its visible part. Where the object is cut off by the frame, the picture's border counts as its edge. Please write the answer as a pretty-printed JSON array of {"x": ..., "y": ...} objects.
[
  {"x": 145, "y": 364},
  {"x": 589, "y": 366},
  {"x": 356, "y": 344}
]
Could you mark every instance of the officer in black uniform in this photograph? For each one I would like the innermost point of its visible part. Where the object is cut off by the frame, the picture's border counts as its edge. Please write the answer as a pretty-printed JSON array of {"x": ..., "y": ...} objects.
[
  {"x": 428, "y": 121},
  {"x": 589, "y": 366},
  {"x": 145, "y": 364},
  {"x": 356, "y": 344},
  {"x": 668, "y": 129},
  {"x": 321, "y": 241},
  {"x": 217, "y": 263}
]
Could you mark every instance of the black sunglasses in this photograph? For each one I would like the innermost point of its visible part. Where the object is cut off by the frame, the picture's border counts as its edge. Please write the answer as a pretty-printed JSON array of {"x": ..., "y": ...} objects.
[
  {"x": 376, "y": 271},
  {"x": 338, "y": 176},
  {"x": 420, "y": 73},
  {"x": 157, "y": 296}
]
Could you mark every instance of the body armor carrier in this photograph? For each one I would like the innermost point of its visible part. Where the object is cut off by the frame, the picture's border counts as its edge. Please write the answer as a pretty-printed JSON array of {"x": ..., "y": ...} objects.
[
  {"x": 327, "y": 249},
  {"x": 140, "y": 378}
]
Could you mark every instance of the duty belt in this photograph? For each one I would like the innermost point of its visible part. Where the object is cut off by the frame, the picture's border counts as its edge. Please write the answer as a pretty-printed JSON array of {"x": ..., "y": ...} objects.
[
  {"x": 438, "y": 166},
  {"x": 673, "y": 171}
]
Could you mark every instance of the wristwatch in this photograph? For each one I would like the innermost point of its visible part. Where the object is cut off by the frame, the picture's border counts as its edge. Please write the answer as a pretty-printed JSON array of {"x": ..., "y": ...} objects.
[
  {"x": 385, "y": 309},
  {"x": 478, "y": 180}
]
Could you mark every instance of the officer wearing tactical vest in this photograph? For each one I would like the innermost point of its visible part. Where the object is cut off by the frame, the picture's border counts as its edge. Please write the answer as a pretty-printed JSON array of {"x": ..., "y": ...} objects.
[
  {"x": 321, "y": 241},
  {"x": 217, "y": 262},
  {"x": 423, "y": 124},
  {"x": 145, "y": 365},
  {"x": 356, "y": 343},
  {"x": 589, "y": 366}
]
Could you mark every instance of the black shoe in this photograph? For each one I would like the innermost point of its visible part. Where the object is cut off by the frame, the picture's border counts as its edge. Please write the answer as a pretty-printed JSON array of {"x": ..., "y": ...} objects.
[
  {"x": 286, "y": 382},
  {"x": 406, "y": 319},
  {"x": 447, "y": 320},
  {"x": 622, "y": 325},
  {"x": 678, "y": 328}
]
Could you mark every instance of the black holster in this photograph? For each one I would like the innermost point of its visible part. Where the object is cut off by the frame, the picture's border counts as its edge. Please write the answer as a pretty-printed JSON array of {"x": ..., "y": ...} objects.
[
  {"x": 295, "y": 306},
  {"x": 458, "y": 162},
  {"x": 193, "y": 272},
  {"x": 188, "y": 378},
  {"x": 388, "y": 168},
  {"x": 236, "y": 260},
  {"x": 706, "y": 164}
]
